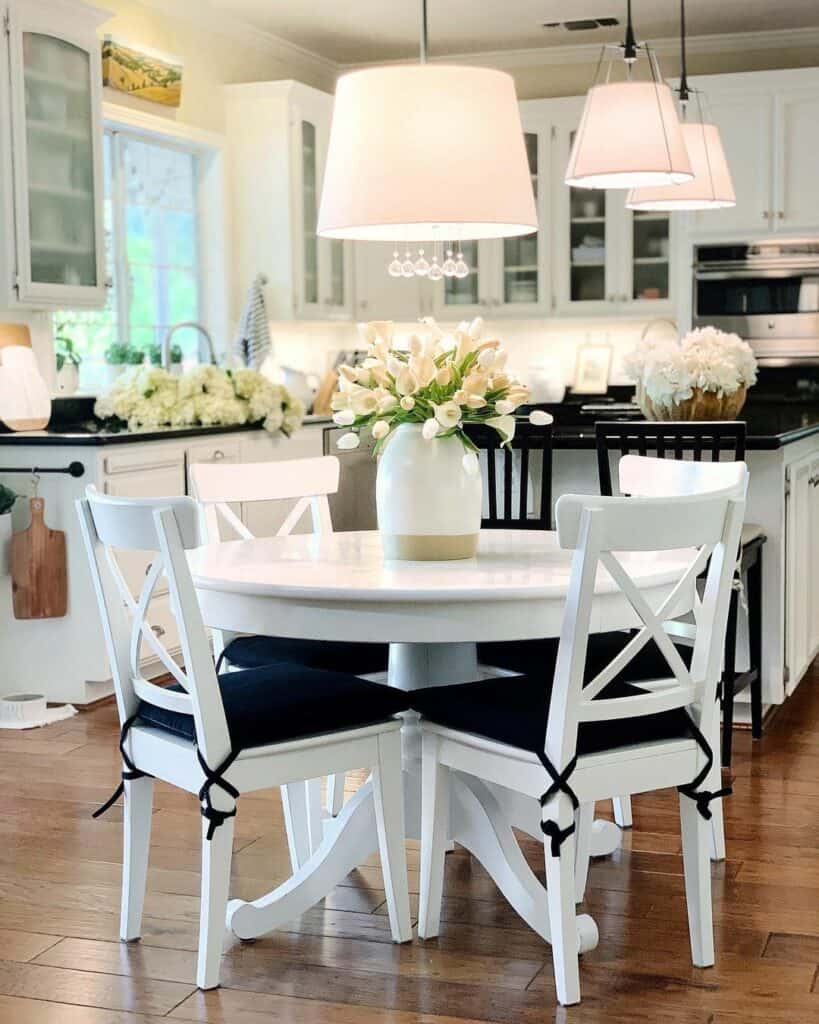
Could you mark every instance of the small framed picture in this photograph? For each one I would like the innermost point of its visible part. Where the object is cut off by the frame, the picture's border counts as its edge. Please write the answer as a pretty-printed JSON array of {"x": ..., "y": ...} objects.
[{"x": 591, "y": 375}]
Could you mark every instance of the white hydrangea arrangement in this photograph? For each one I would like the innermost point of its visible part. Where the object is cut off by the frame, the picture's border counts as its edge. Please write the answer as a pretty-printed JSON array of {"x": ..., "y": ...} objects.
[
  {"x": 706, "y": 360},
  {"x": 147, "y": 398},
  {"x": 441, "y": 379}
]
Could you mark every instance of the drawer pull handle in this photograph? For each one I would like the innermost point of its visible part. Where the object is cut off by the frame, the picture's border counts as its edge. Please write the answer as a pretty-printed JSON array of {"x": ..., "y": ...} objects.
[
  {"x": 218, "y": 455},
  {"x": 158, "y": 630}
]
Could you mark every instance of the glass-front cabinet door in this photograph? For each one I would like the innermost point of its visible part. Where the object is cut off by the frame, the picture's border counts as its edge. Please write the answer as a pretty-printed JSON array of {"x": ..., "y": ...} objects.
[
  {"x": 56, "y": 159},
  {"x": 650, "y": 257},
  {"x": 323, "y": 265}
]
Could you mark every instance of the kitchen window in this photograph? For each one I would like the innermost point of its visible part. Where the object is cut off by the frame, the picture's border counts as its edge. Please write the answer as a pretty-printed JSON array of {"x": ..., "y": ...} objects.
[{"x": 152, "y": 234}]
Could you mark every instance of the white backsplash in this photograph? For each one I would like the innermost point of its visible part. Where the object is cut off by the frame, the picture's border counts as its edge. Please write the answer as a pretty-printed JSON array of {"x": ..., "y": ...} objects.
[{"x": 310, "y": 346}]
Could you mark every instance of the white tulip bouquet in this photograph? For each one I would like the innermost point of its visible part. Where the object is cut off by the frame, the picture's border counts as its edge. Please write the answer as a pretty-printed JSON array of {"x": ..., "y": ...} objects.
[
  {"x": 439, "y": 379},
  {"x": 149, "y": 397}
]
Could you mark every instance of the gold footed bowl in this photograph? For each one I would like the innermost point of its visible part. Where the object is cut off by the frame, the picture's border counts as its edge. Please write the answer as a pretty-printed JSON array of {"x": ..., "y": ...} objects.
[{"x": 702, "y": 406}]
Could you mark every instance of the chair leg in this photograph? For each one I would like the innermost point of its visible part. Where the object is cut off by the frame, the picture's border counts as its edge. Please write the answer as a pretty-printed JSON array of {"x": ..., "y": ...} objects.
[
  {"x": 315, "y": 814},
  {"x": 584, "y": 819},
  {"x": 294, "y": 806},
  {"x": 560, "y": 891},
  {"x": 335, "y": 793},
  {"x": 216, "y": 857},
  {"x": 622, "y": 811},
  {"x": 754, "y": 591},
  {"x": 139, "y": 796},
  {"x": 729, "y": 680},
  {"x": 388, "y": 790},
  {"x": 434, "y": 837},
  {"x": 697, "y": 883}
]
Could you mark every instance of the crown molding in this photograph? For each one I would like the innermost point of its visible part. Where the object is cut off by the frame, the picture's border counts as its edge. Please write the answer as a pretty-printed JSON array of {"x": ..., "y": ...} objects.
[
  {"x": 586, "y": 53},
  {"x": 220, "y": 21}
]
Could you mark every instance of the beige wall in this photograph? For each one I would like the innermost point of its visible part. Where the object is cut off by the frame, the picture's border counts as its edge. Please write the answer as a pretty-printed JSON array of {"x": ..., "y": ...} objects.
[{"x": 211, "y": 57}]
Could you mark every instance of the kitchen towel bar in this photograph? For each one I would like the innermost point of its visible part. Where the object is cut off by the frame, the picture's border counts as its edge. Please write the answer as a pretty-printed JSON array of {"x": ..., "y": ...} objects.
[{"x": 75, "y": 469}]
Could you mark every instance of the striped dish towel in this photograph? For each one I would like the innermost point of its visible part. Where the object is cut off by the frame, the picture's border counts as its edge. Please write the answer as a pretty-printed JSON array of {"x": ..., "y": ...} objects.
[{"x": 252, "y": 342}]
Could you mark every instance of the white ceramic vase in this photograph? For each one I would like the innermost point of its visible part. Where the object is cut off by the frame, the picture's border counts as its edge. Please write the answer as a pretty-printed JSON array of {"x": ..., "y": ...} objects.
[
  {"x": 428, "y": 497},
  {"x": 5, "y": 543}
]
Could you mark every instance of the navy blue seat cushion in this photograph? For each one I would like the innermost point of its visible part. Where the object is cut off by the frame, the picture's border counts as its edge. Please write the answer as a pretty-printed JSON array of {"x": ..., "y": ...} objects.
[
  {"x": 533, "y": 656},
  {"x": 257, "y": 651},
  {"x": 514, "y": 709},
  {"x": 284, "y": 702}
]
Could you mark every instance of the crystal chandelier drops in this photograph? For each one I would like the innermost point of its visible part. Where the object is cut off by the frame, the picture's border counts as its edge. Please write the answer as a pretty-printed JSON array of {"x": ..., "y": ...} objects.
[{"x": 436, "y": 269}]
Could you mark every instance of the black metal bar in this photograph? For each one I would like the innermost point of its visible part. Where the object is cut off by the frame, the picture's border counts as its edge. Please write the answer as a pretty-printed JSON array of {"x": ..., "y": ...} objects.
[{"x": 75, "y": 469}]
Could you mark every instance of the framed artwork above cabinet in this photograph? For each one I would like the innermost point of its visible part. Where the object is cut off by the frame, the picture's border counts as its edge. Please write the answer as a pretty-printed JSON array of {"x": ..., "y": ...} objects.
[{"x": 53, "y": 249}]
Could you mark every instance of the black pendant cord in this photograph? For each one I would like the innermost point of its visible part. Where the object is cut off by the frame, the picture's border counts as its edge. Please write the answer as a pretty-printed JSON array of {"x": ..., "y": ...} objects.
[
  {"x": 683, "y": 90},
  {"x": 629, "y": 43},
  {"x": 424, "y": 35}
]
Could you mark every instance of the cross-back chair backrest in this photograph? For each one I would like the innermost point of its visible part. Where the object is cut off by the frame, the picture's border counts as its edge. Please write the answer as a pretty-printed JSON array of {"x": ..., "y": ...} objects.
[
  {"x": 706, "y": 527},
  {"x": 307, "y": 482},
  {"x": 517, "y": 477},
  {"x": 166, "y": 528},
  {"x": 696, "y": 442}
]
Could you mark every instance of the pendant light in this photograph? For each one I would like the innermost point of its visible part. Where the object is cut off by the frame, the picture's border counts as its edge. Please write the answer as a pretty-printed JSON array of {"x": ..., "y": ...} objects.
[
  {"x": 711, "y": 187},
  {"x": 423, "y": 153},
  {"x": 629, "y": 135}
]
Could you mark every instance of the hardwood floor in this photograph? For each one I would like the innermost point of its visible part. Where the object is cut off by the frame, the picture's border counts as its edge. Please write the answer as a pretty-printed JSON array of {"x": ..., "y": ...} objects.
[{"x": 61, "y": 963}]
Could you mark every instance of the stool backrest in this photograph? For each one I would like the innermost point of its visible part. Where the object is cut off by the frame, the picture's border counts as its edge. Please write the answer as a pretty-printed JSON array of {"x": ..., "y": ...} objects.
[
  {"x": 165, "y": 528},
  {"x": 517, "y": 477},
  {"x": 218, "y": 485},
  {"x": 695, "y": 442},
  {"x": 600, "y": 530}
]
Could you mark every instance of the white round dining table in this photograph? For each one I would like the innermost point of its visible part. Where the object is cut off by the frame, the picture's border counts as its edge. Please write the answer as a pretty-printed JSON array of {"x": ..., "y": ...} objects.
[{"x": 339, "y": 586}]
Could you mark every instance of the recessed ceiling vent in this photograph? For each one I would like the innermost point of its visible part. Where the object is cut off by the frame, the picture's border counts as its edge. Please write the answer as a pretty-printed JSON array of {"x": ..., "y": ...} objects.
[{"x": 582, "y": 24}]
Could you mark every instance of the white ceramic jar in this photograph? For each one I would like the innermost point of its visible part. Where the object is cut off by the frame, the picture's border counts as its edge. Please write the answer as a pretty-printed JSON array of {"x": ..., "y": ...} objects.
[{"x": 428, "y": 497}]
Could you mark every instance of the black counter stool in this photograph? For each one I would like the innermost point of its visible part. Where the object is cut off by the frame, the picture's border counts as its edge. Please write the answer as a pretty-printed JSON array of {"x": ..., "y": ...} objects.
[{"x": 705, "y": 442}]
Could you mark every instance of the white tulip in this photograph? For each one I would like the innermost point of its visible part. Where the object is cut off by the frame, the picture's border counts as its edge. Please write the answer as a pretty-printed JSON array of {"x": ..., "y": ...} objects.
[
  {"x": 539, "y": 418},
  {"x": 380, "y": 429},
  {"x": 424, "y": 369},
  {"x": 347, "y": 442},
  {"x": 429, "y": 429},
  {"x": 415, "y": 346},
  {"x": 464, "y": 344},
  {"x": 443, "y": 376},
  {"x": 363, "y": 402},
  {"x": 347, "y": 372},
  {"x": 363, "y": 376},
  {"x": 387, "y": 403},
  {"x": 504, "y": 406},
  {"x": 505, "y": 426},
  {"x": 344, "y": 418},
  {"x": 405, "y": 382},
  {"x": 448, "y": 414},
  {"x": 395, "y": 365},
  {"x": 475, "y": 401},
  {"x": 407, "y": 403},
  {"x": 340, "y": 400},
  {"x": 487, "y": 358},
  {"x": 460, "y": 396},
  {"x": 432, "y": 327},
  {"x": 475, "y": 328},
  {"x": 501, "y": 355},
  {"x": 476, "y": 383}
]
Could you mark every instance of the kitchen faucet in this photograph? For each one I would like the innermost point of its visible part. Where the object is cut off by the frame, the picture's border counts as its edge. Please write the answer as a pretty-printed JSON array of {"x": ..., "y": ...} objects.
[{"x": 166, "y": 344}]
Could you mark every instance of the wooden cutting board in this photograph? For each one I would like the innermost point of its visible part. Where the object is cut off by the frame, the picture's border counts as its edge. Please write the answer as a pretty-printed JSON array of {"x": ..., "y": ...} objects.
[{"x": 39, "y": 581}]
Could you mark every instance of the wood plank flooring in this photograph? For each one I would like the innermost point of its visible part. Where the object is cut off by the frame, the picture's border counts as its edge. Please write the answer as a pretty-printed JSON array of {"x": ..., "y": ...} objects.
[{"x": 61, "y": 963}]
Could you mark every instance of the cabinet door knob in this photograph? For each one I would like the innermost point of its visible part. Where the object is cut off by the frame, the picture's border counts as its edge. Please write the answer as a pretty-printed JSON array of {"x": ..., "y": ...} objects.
[
  {"x": 766, "y": 214},
  {"x": 158, "y": 630},
  {"x": 218, "y": 455},
  {"x": 780, "y": 214}
]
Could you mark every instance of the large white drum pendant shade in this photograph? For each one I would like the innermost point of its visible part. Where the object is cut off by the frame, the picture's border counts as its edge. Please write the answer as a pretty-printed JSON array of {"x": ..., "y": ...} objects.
[
  {"x": 711, "y": 187},
  {"x": 426, "y": 152},
  {"x": 629, "y": 137}
]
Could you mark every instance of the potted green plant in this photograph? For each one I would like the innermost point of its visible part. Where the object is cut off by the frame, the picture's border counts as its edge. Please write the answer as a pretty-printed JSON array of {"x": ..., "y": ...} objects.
[
  {"x": 155, "y": 356},
  {"x": 116, "y": 359},
  {"x": 135, "y": 356},
  {"x": 7, "y": 500},
  {"x": 68, "y": 362}
]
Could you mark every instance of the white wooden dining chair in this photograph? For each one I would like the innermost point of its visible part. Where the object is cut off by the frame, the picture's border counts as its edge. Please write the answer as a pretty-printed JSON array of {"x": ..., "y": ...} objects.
[
  {"x": 305, "y": 484},
  {"x": 647, "y": 477},
  {"x": 569, "y": 741},
  {"x": 262, "y": 728}
]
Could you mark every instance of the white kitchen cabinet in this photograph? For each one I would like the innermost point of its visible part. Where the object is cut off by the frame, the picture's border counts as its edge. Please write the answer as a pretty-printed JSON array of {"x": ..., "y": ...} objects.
[
  {"x": 278, "y": 134},
  {"x": 53, "y": 250},
  {"x": 606, "y": 260},
  {"x": 768, "y": 121},
  {"x": 802, "y": 568}
]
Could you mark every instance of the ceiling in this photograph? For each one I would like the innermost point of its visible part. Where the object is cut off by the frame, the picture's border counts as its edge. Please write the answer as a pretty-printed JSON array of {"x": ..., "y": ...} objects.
[{"x": 358, "y": 31}]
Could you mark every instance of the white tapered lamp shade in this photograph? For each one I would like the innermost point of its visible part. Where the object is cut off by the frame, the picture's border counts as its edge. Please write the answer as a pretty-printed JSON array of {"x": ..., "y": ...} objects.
[
  {"x": 711, "y": 187},
  {"x": 629, "y": 137},
  {"x": 426, "y": 152}
]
